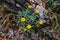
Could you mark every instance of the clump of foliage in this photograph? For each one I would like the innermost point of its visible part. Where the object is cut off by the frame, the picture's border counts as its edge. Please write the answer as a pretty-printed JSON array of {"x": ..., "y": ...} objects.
[{"x": 27, "y": 20}]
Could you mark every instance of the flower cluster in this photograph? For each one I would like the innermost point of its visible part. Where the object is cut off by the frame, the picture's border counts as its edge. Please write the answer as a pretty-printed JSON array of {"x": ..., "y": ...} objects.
[{"x": 29, "y": 20}]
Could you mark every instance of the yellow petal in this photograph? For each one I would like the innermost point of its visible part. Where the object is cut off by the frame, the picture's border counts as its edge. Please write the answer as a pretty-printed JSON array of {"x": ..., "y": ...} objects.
[
  {"x": 41, "y": 21},
  {"x": 23, "y": 19},
  {"x": 36, "y": 11},
  {"x": 25, "y": 29},
  {"x": 29, "y": 26},
  {"x": 29, "y": 6}
]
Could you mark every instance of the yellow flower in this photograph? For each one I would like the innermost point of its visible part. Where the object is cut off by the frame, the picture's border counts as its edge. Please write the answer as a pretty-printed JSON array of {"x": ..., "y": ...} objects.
[
  {"x": 29, "y": 6},
  {"x": 36, "y": 11},
  {"x": 23, "y": 19},
  {"x": 41, "y": 21},
  {"x": 29, "y": 26},
  {"x": 25, "y": 29}
]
